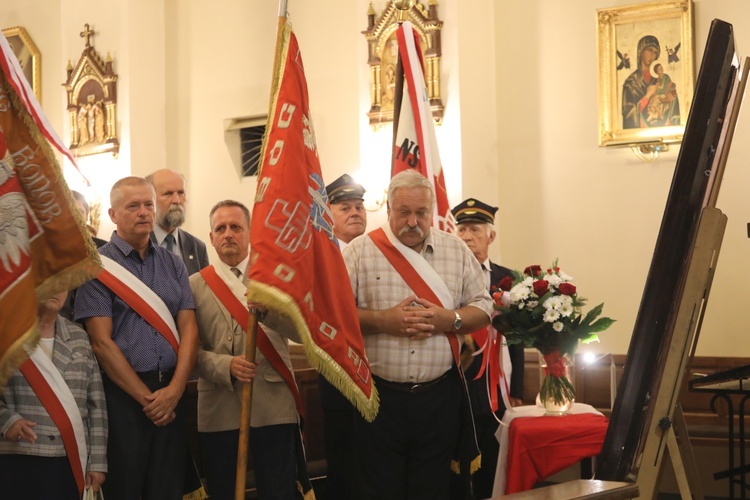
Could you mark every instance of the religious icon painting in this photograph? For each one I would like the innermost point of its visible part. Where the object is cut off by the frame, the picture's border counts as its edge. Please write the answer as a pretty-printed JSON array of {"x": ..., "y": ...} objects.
[
  {"x": 28, "y": 56},
  {"x": 646, "y": 78}
]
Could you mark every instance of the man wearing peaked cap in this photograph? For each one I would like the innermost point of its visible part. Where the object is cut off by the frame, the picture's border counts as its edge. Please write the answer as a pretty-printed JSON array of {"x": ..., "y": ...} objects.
[
  {"x": 349, "y": 221},
  {"x": 347, "y": 204},
  {"x": 475, "y": 226},
  {"x": 473, "y": 210}
]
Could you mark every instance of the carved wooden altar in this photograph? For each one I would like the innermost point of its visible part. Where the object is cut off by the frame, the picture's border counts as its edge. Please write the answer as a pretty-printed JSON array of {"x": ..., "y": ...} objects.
[
  {"x": 92, "y": 102},
  {"x": 382, "y": 48}
]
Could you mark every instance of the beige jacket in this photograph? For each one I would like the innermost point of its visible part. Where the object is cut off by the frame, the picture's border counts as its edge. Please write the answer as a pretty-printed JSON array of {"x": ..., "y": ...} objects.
[{"x": 219, "y": 399}]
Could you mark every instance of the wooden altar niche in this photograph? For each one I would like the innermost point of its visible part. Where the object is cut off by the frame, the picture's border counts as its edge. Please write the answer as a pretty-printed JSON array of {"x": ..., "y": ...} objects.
[
  {"x": 679, "y": 278},
  {"x": 382, "y": 50},
  {"x": 92, "y": 102}
]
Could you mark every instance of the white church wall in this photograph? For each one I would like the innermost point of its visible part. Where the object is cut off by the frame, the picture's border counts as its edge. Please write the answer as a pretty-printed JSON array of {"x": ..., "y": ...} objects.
[{"x": 599, "y": 209}]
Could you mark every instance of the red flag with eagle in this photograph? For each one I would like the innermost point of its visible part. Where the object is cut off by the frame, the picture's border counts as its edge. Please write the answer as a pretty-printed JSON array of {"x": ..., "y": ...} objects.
[
  {"x": 45, "y": 247},
  {"x": 295, "y": 265},
  {"x": 415, "y": 145}
]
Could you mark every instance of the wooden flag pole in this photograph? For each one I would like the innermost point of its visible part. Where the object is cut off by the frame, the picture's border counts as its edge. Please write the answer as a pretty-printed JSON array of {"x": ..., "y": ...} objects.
[
  {"x": 246, "y": 408},
  {"x": 251, "y": 343}
]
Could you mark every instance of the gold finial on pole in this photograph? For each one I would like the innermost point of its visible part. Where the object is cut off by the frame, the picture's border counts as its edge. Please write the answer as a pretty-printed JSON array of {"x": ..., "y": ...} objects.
[{"x": 403, "y": 6}]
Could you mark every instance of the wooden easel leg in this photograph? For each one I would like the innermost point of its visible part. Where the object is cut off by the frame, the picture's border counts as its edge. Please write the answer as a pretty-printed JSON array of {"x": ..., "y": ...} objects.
[
  {"x": 677, "y": 465},
  {"x": 686, "y": 452}
]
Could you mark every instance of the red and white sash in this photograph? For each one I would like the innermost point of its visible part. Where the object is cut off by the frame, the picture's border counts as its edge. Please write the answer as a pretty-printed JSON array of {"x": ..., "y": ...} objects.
[
  {"x": 140, "y": 298},
  {"x": 231, "y": 293},
  {"x": 54, "y": 394},
  {"x": 495, "y": 358},
  {"x": 418, "y": 274}
]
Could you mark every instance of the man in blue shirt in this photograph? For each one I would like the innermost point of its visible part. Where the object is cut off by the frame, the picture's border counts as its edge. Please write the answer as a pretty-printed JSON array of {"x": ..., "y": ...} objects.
[{"x": 146, "y": 367}]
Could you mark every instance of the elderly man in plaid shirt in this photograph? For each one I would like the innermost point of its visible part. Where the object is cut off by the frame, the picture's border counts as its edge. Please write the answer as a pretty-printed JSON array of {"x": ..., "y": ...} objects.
[{"x": 417, "y": 290}]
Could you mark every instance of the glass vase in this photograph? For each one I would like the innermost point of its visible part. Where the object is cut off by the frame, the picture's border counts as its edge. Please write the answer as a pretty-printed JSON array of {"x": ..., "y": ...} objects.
[{"x": 557, "y": 393}]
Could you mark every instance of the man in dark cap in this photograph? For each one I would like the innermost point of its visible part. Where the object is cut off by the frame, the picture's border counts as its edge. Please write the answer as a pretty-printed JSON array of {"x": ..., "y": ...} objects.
[
  {"x": 475, "y": 226},
  {"x": 347, "y": 204},
  {"x": 349, "y": 221}
]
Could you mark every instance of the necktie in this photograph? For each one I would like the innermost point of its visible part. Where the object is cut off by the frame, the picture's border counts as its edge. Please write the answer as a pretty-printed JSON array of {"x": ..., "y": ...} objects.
[
  {"x": 484, "y": 268},
  {"x": 170, "y": 242},
  {"x": 236, "y": 271}
]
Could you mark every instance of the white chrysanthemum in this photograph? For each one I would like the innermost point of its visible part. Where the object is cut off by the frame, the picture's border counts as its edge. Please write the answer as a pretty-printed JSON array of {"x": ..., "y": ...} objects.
[
  {"x": 528, "y": 281},
  {"x": 553, "y": 280},
  {"x": 565, "y": 277},
  {"x": 519, "y": 293},
  {"x": 532, "y": 304},
  {"x": 566, "y": 309},
  {"x": 552, "y": 303},
  {"x": 557, "y": 326},
  {"x": 550, "y": 316}
]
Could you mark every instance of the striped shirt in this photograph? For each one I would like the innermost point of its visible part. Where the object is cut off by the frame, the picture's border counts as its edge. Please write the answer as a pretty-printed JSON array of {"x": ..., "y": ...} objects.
[
  {"x": 74, "y": 359},
  {"x": 162, "y": 271},
  {"x": 377, "y": 286}
]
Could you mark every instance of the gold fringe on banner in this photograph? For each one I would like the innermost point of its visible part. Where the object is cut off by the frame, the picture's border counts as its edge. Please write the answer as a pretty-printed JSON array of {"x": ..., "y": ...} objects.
[{"x": 275, "y": 299}]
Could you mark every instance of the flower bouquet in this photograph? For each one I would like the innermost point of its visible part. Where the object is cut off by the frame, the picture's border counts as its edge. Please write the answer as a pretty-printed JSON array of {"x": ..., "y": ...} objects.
[{"x": 543, "y": 311}]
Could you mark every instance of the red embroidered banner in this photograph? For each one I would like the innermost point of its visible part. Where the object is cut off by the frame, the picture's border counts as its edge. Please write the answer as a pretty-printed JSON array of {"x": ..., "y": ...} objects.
[
  {"x": 44, "y": 245},
  {"x": 295, "y": 265}
]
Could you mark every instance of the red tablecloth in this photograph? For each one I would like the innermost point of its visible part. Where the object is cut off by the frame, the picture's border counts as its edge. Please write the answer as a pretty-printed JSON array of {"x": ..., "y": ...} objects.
[{"x": 541, "y": 446}]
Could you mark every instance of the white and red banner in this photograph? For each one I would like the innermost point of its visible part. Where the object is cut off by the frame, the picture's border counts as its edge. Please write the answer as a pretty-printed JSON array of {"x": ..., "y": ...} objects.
[
  {"x": 296, "y": 266},
  {"x": 415, "y": 145}
]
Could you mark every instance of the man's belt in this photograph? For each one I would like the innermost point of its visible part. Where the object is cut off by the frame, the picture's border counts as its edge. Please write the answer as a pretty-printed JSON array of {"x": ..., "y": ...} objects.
[
  {"x": 409, "y": 387},
  {"x": 156, "y": 376}
]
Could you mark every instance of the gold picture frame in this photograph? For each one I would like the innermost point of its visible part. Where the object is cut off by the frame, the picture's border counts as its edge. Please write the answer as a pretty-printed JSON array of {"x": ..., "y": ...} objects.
[
  {"x": 645, "y": 101},
  {"x": 28, "y": 55}
]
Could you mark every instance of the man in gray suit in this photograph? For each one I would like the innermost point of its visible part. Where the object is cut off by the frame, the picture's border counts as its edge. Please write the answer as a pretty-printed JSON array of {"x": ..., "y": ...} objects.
[
  {"x": 171, "y": 199},
  {"x": 219, "y": 292}
]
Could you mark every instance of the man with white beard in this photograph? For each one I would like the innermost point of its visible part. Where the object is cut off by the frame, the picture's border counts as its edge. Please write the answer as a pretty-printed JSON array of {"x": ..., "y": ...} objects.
[{"x": 170, "y": 215}]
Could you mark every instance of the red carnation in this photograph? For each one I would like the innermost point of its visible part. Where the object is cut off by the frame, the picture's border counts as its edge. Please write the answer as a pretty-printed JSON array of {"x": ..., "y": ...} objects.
[
  {"x": 506, "y": 284},
  {"x": 533, "y": 270},
  {"x": 541, "y": 287},
  {"x": 567, "y": 289}
]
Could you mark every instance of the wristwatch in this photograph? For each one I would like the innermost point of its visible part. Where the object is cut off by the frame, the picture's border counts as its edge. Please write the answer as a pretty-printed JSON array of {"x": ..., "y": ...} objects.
[{"x": 457, "y": 322}]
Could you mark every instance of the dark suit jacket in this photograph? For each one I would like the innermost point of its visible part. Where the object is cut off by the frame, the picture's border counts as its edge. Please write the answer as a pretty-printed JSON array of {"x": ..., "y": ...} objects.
[
  {"x": 193, "y": 250},
  {"x": 516, "y": 351},
  {"x": 477, "y": 388}
]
